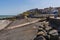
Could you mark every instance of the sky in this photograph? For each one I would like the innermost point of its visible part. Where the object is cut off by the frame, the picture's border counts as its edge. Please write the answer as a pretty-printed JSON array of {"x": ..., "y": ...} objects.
[{"x": 15, "y": 7}]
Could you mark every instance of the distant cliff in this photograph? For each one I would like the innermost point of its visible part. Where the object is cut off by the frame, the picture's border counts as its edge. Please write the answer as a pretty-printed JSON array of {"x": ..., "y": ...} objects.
[{"x": 33, "y": 12}]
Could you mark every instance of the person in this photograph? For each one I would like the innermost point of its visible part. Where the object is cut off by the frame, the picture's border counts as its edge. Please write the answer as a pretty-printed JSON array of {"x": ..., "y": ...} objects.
[{"x": 55, "y": 12}]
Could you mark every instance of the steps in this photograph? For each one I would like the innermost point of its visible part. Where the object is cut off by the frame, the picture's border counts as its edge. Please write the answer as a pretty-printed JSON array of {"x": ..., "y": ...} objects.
[{"x": 4, "y": 23}]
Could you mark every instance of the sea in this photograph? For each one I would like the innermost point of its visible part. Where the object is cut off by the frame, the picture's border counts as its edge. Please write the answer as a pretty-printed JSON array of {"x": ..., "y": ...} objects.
[{"x": 6, "y": 16}]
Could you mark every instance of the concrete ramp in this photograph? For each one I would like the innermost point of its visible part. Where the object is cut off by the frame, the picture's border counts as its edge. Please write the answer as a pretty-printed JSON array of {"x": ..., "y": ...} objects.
[{"x": 27, "y": 32}]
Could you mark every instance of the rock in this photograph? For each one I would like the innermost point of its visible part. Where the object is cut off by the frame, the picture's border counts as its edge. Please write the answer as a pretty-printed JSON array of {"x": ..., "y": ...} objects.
[
  {"x": 48, "y": 28},
  {"x": 53, "y": 32},
  {"x": 40, "y": 38}
]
